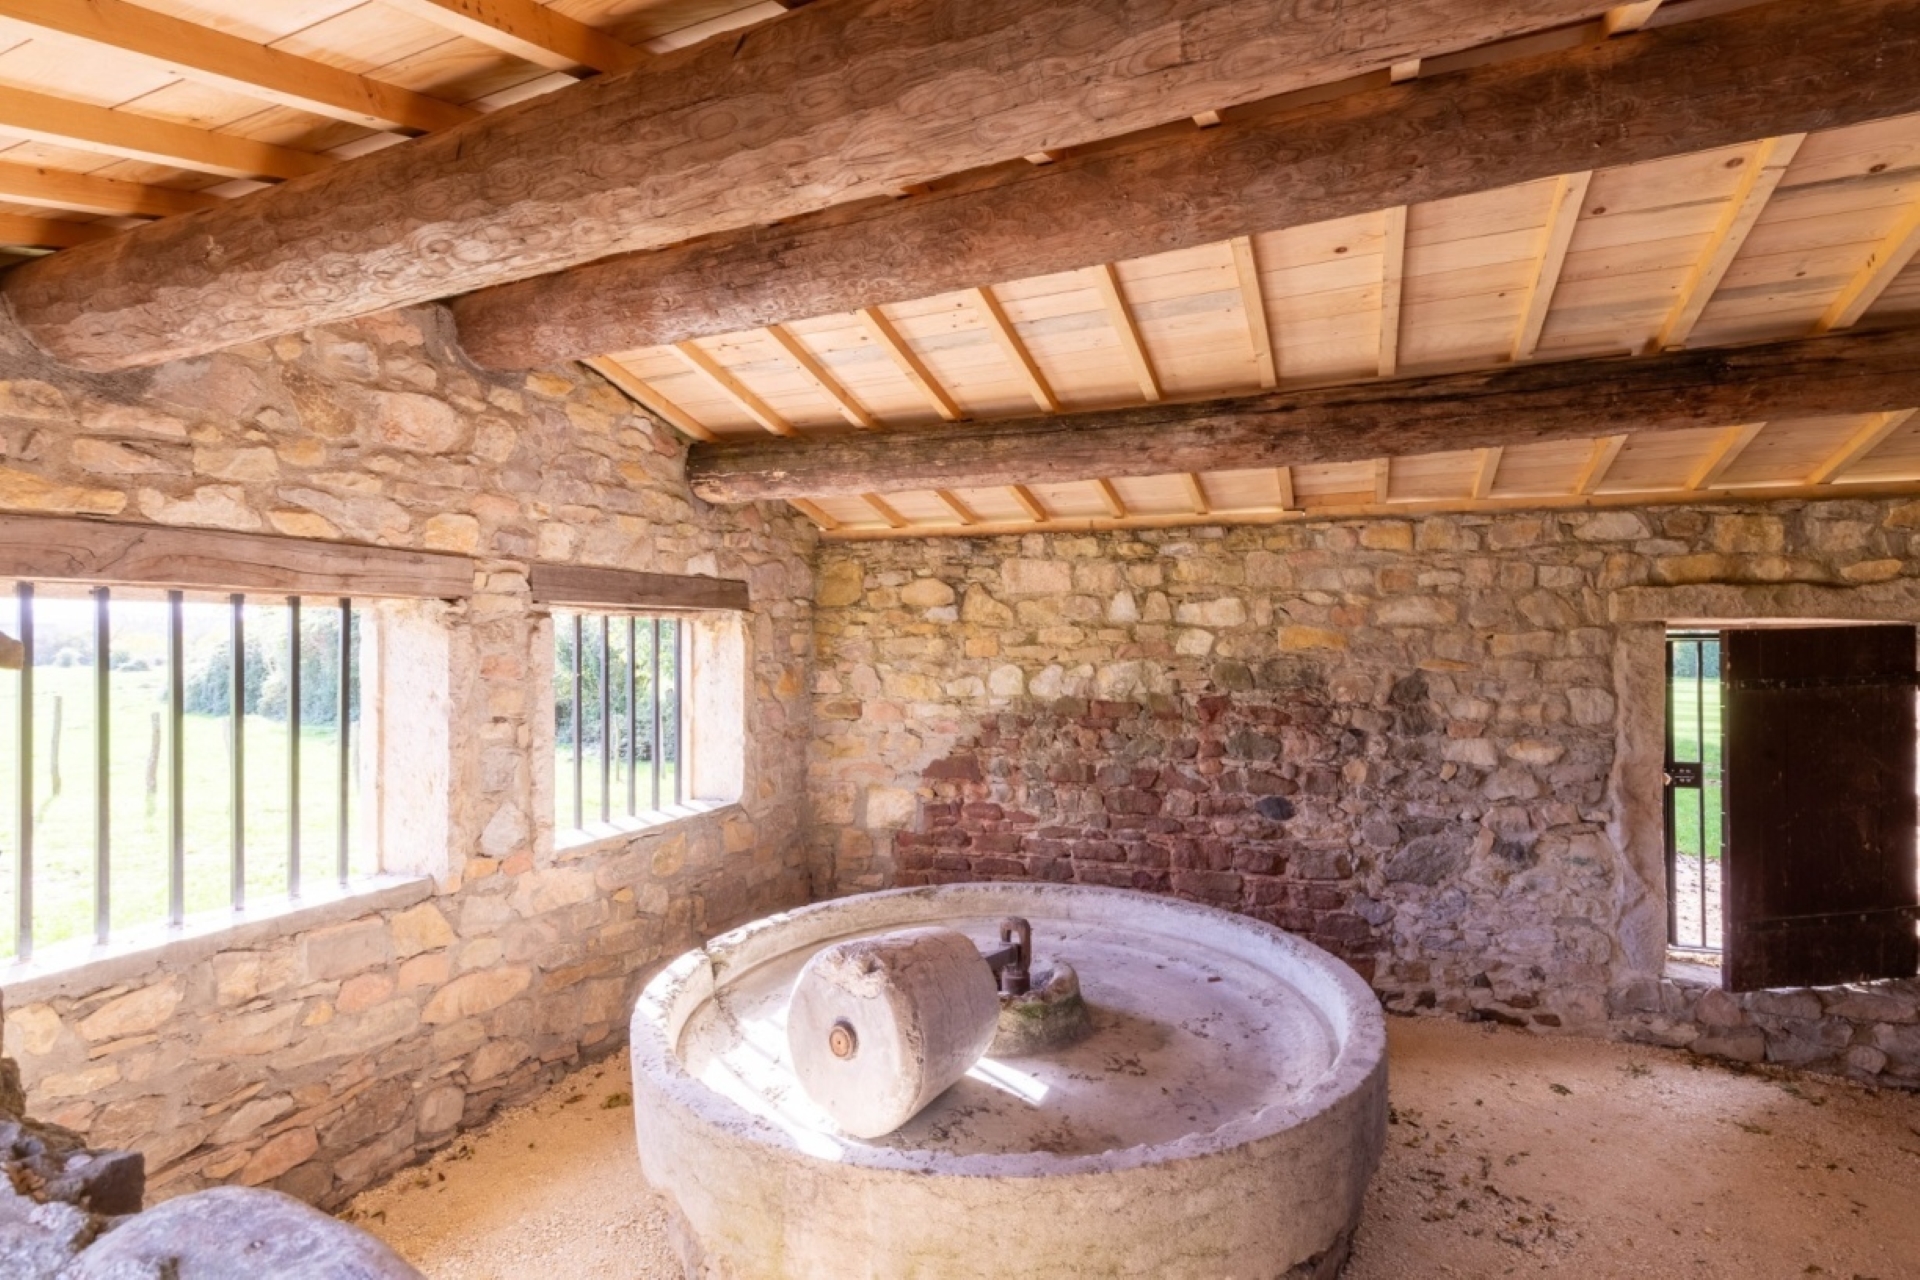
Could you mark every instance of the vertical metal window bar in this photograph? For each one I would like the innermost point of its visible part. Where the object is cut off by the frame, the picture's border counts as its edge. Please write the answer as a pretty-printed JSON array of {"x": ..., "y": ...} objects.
[
  {"x": 606, "y": 717},
  {"x": 343, "y": 715},
  {"x": 679, "y": 711},
  {"x": 176, "y": 757},
  {"x": 293, "y": 746},
  {"x": 579, "y": 752},
  {"x": 237, "y": 729},
  {"x": 655, "y": 699},
  {"x": 102, "y": 764},
  {"x": 633, "y": 747},
  {"x": 23, "y": 866}
]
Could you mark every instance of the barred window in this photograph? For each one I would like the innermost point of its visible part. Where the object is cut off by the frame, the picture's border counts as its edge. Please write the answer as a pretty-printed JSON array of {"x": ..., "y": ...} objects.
[
  {"x": 618, "y": 716},
  {"x": 170, "y": 753}
]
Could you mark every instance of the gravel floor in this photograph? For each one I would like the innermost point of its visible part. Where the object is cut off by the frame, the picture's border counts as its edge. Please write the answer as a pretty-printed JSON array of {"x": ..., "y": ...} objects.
[{"x": 1510, "y": 1154}]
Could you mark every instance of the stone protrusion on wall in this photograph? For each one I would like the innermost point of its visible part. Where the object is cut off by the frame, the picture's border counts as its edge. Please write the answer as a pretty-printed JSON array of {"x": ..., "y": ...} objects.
[{"x": 318, "y": 1052}]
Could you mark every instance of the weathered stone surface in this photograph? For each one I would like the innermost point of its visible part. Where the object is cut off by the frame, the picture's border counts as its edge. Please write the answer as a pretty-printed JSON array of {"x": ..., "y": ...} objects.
[
  {"x": 133, "y": 1013},
  {"x": 475, "y": 993},
  {"x": 234, "y": 1233}
]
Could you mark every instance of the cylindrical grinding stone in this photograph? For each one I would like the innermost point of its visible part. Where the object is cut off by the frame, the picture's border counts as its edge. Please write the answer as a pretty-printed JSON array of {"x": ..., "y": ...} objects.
[{"x": 880, "y": 1026}]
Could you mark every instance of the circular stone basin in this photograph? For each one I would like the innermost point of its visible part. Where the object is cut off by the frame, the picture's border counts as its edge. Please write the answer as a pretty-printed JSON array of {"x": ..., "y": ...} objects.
[{"x": 1222, "y": 1119}]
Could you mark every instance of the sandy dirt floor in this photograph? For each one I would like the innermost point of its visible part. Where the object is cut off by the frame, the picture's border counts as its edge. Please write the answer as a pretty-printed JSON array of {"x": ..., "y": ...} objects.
[{"x": 1508, "y": 1155}]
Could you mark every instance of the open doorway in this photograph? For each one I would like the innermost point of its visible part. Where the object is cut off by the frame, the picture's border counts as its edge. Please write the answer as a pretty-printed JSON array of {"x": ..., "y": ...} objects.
[{"x": 1695, "y": 788}]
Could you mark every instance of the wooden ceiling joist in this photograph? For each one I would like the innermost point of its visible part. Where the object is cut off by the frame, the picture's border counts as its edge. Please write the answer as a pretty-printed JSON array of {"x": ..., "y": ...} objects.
[
  {"x": 1764, "y": 169},
  {"x": 47, "y": 233},
  {"x": 136, "y": 137},
  {"x": 1889, "y": 259},
  {"x": 1030, "y": 503},
  {"x": 1866, "y": 372},
  {"x": 1606, "y": 450},
  {"x": 1726, "y": 450},
  {"x": 1007, "y": 338},
  {"x": 528, "y": 29},
  {"x": 649, "y": 397},
  {"x": 1283, "y": 488},
  {"x": 724, "y": 381},
  {"x": 1120, "y": 316},
  {"x": 1115, "y": 504},
  {"x": 241, "y": 66},
  {"x": 829, "y": 386},
  {"x": 908, "y": 361},
  {"x": 720, "y": 137},
  {"x": 1569, "y": 193},
  {"x": 1624, "y": 18},
  {"x": 1772, "y": 70},
  {"x": 1253, "y": 304},
  {"x": 1871, "y": 434},
  {"x": 84, "y": 193},
  {"x": 1486, "y": 470},
  {"x": 1393, "y": 274}
]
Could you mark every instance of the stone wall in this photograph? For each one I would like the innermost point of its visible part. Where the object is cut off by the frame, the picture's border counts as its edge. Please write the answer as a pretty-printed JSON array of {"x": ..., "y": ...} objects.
[
  {"x": 1421, "y": 743},
  {"x": 317, "y": 1051}
]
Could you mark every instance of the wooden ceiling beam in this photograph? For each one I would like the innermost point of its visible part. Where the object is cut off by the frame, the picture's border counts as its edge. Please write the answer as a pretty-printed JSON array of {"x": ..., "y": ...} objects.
[
  {"x": 1253, "y": 304},
  {"x": 1563, "y": 214},
  {"x": 1765, "y": 167},
  {"x": 1120, "y": 316},
  {"x": 528, "y": 30},
  {"x": 648, "y": 397},
  {"x": 240, "y": 66},
  {"x": 1393, "y": 273},
  {"x": 1600, "y": 460},
  {"x": 29, "y": 232},
  {"x": 1486, "y": 470},
  {"x": 1197, "y": 494},
  {"x": 84, "y": 193},
  {"x": 961, "y": 511},
  {"x": 728, "y": 384},
  {"x": 1726, "y": 450},
  {"x": 1889, "y": 259},
  {"x": 83, "y": 127},
  {"x": 721, "y": 137},
  {"x": 1030, "y": 503},
  {"x": 1870, "y": 435},
  {"x": 1770, "y": 70},
  {"x": 908, "y": 361},
  {"x": 1116, "y": 506},
  {"x": 1866, "y": 372},
  {"x": 822, "y": 377},
  {"x": 1283, "y": 486},
  {"x": 885, "y": 511},
  {"x": 994, "y": 317}
]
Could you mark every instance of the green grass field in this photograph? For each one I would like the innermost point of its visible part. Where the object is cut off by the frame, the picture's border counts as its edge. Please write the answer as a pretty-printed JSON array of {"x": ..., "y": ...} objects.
[
  {"x": 1696, "y": 736},
  {"x": 64, "y": 821}
]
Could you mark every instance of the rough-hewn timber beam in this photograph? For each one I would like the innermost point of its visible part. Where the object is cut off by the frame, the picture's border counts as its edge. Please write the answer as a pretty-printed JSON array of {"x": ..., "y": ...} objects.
[
  {"x": 1779, "y": 68},
  {"x": 839, "y": 101},
  {"x": 1876, "y": 371}
]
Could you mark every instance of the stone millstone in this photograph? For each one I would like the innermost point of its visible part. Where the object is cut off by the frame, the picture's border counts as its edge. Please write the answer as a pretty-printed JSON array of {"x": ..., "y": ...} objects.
[
  {"x": 879, "y": 1027},
  {"x": 237, "y": 1233},
  {"x": 1050, "y": 1016}
]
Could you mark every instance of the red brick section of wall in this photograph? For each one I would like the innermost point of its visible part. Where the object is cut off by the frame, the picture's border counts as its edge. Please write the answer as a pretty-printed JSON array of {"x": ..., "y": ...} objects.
[{"x": 1188, "y": 796}]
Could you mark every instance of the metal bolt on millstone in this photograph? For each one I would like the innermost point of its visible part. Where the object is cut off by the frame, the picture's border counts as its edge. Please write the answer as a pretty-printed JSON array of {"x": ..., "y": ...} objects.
[{"x": 842, "y": 1040}]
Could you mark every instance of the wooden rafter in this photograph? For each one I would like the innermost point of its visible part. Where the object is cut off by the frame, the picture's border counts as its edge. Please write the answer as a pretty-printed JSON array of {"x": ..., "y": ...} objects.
[
  {"x": 1030, "y": 503},
  {"x": 1401, "y": 72},
  {"x": 829, "y": 386},
  {"x": 1486, "y": 471},
  {"x": 136, "y": 137},
  {"x": 1623, "y": 18},
  {"x": 994, "y": 316},
  {"x": 47, "y": 233},
  {"x": 1890, "y": 258},
  {"x": 961, "y": 511},
  {"x": 1253, "y": 304},
  {"x": 1600, "y": 460},
  {"x": 530, "y": 30},
  {"x": 1764, "y": 169},
  {"x": 889, "y": 340},
  {"x": 648, "y": 397},
  {"x": 213, "y": 57},
  {"x": 1383, "y": 480},
  {"x": 885, "y": 511},
  {"x": 724, "y": 380},
  {"x": 1867, "y": 371},
  {"x": 816, "y": 513},
  {"x": 1283, "y": 488},
  {"x": 1870, "y": 435},
  {"x": 1569, "y": 194},
  {"x": 1111, "y": 496},
  {"x": 1197, "y": 493},
  {"x": 1726, "y": 450},
  {"x": 84, "y": 193},
  {"x": 1120, "y": 316},
  {"x": 1393, "y": 270}
]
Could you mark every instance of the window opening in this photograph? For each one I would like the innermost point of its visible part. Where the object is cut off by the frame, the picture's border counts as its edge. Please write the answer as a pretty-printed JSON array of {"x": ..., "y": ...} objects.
[
  {"x": 619, "y": 717},
  {"x": 174, "y": 754},
  {"x": 1694, "y": 793}
]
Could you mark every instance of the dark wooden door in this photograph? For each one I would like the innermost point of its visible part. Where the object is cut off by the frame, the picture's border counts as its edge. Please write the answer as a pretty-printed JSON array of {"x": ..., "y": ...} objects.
[{"x": 1820, "y": 874}]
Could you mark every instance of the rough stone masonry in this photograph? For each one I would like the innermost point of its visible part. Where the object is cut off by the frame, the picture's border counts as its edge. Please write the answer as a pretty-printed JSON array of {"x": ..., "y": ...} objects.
[{"x": 1399, "y": 738}]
